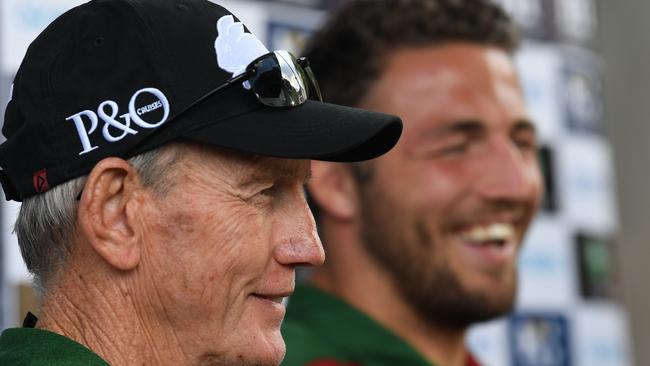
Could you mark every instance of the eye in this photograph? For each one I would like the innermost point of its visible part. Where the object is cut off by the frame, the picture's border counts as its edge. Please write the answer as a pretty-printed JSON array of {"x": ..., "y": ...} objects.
[
  {"x": 270, "y": 191},
  {"x": 263, "y": 197},
  {"x": 526, "y": 143},
  {"x": 453, "y": 150},
  {"x": 458, "y": 143},
  {"x": 260, "y": 201},
  {"x": 524, "y": 137}
]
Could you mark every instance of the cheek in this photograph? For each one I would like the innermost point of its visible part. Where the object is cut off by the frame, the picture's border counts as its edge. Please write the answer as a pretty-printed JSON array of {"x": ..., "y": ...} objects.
[
  {"x": 234, "y": 248},
  {"x": 435, "y": 187},
  {"x": 421, "y": 199},
  {"x": 210, "y": 248}
]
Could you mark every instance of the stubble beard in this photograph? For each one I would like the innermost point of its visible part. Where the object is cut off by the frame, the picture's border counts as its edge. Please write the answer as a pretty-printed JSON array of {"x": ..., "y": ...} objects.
[{"x": 421, "y": 275}]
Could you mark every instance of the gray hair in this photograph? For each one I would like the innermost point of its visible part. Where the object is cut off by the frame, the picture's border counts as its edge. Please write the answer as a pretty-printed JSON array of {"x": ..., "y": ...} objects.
[{"x": 46, "y": 221}]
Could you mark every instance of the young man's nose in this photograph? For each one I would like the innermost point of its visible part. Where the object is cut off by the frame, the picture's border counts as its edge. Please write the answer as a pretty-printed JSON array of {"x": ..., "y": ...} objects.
[{"x": 505, "y": 173}]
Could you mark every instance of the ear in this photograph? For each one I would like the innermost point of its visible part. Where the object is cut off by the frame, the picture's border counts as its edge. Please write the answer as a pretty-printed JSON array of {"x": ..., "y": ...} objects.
[
  {"x": 333, "y": 189},
  {"x": 108, "y": 212}
]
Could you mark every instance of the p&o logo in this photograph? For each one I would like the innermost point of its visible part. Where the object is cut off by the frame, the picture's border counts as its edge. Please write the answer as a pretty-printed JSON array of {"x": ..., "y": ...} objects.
[{"x": 116, "y": 128}]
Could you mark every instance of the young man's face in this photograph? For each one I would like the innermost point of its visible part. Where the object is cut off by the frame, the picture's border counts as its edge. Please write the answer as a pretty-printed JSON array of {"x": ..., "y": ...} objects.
[
  {"x": 446, "y": 210},
  {"x": 223, "y": 244}
]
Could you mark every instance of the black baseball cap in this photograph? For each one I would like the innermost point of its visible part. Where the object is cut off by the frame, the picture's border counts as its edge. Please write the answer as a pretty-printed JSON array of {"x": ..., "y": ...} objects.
[{"x": 118, "y": 77}]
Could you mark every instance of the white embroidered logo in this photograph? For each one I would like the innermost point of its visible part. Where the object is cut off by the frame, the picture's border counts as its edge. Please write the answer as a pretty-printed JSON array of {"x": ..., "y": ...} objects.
[
  {"x": 109, "y": 118},
  {"x": 235, "y": 48}
]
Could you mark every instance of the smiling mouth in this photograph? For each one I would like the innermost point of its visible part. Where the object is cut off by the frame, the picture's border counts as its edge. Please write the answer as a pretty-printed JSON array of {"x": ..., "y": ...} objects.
[
  {"x": 278, "y": 299},
  {"x": 492, "y": 244},
  {"x": 496, "y": 234}
]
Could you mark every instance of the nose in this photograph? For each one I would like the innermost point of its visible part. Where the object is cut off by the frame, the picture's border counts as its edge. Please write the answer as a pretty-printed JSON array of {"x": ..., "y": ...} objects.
[
  {"x": 299, "y": 241},
  {"x": 506, "y": 174}
]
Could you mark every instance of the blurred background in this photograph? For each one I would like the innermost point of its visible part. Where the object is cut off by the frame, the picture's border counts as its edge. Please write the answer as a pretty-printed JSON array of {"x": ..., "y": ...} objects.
[{"x": 583, "y": 299}]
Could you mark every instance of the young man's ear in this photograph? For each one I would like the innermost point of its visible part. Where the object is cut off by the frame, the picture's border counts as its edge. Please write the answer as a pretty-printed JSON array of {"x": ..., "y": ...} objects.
[
  {"x": 334, "y": 190},
  {"x": 108, "y": 212}
]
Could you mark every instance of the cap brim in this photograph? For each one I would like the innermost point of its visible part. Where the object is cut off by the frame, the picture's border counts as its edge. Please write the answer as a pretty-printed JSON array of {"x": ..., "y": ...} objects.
[{"x": 313, "y": 130}]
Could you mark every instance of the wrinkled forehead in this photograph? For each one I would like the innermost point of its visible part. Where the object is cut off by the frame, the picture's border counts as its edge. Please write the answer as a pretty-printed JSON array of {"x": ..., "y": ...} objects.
[{"x": 234, "y": 168}]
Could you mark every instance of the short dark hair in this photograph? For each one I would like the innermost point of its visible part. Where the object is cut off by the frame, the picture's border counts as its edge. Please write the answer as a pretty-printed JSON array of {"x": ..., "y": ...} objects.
[{"x": 348, "y": 53}]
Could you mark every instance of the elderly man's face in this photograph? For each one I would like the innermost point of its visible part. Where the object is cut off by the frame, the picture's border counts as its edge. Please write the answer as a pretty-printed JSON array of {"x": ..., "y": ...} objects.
[
  {"x": 222, "y": 246},
  {"x": 445, "y": 211}
]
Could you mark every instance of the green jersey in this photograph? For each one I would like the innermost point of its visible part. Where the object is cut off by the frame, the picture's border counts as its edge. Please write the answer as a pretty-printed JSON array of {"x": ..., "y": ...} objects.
[
  {"x": 38, "y": 347},
  {"x": 322, "y": 330}
]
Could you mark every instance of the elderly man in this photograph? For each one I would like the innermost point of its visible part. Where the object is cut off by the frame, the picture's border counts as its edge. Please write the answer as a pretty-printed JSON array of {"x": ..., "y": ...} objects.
[
  {"x": 182, "y": 254},
  {"x": 422, "y": 242}
]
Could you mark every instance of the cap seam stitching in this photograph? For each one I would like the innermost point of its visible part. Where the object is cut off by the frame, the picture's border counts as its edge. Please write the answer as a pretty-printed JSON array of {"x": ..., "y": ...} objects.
[{"x": 156, "y": 51}]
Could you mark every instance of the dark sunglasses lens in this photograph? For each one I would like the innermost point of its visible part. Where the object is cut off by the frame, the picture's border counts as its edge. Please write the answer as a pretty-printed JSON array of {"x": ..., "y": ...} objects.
[{"x": 277, "y": 81}]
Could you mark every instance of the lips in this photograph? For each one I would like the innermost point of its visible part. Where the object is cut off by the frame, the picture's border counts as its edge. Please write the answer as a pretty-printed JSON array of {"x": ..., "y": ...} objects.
[
  {"x": 276, "y": 296},
  {"x": 278, "y": 299}
]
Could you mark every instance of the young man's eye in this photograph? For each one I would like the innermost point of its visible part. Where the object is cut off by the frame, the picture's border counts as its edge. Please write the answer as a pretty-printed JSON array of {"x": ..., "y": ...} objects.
[
  {"x": 525, "y": 139},
  {"x": 452, "y": 150},
  {"x": 526, "y": 145}
]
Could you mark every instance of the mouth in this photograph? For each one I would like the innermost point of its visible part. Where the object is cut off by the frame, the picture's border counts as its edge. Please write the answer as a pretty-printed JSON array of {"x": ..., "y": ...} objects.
[
  {"x": 278, "y": 299},
  {"x": 493, "y": 243}
]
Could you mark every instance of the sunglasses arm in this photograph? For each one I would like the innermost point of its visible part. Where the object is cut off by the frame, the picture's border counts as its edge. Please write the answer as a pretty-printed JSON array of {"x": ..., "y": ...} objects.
[{"x": 239, "y": 78}]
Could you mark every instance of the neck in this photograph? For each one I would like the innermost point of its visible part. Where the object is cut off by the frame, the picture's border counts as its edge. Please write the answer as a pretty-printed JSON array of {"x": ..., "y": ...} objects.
[
  {"x": 372, "y": 290},
  {"x": 101, "y": 315}
]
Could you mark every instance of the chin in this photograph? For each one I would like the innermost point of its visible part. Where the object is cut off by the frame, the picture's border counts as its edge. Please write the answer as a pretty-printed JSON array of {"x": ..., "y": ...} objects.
[
  {"x": 259, "y": 348},
  {"x": 271, "y": 350},
  {"x": 277, "y": 355},
  {"x": 259, "y": 358}
]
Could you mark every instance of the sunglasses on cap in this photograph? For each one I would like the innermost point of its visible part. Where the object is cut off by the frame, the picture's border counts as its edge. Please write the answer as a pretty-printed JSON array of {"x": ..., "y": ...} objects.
[{"x": 278, "y": 79}]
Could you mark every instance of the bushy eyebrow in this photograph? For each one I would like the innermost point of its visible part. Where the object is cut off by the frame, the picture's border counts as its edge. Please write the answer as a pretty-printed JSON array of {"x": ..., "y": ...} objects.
[
  {"x": 475, "y": 127},
  {"x": 268, "y": 170},
  {"x": 467, "y": 127},
  {"x": 282, "y": 171}
]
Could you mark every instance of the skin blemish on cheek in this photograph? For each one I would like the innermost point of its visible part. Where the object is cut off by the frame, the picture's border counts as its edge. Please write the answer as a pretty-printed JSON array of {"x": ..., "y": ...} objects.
[{"x": 178, "y": 223}]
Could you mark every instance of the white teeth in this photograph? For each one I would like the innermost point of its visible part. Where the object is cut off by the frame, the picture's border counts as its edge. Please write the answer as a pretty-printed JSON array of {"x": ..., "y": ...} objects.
[
  {"x": 501, "y": 231},
  {"x": 490, "y": 233},
  {"x": 477, "y": 234}
]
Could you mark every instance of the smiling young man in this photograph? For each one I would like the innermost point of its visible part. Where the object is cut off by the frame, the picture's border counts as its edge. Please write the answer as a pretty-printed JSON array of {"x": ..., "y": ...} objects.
[
  {"x": 422, "y": 242},
  {"x": 160, "y": 152}
]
